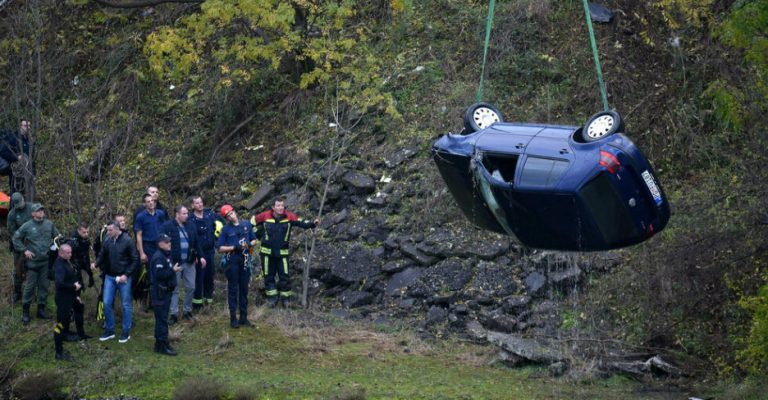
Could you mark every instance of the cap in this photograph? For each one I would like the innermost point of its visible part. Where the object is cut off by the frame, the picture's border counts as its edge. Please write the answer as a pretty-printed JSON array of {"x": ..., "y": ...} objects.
[
  {"x": 17, "y": 197},
  {"x": 36, "y": 206},
  {"x": 163, "y": 238},
  {"x": 225, "y": 210}
]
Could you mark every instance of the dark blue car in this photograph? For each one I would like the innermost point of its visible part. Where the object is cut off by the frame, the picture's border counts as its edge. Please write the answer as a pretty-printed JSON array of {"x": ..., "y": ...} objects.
[{"x": 553, "y": 186}]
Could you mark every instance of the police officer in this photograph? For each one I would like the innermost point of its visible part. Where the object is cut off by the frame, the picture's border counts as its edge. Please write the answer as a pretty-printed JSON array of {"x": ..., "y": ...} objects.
[
  {"x": 162, "y": 284},
  {"x": 235, "y": 241},
  {"x": 34, "y": 240},
  {"x": 68, "y": 285}
]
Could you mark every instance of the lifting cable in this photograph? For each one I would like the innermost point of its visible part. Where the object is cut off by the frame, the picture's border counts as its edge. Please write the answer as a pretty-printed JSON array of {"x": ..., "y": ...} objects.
[
  {"x": 599, "y": 70},
  {"x": 600, "y": 82}
]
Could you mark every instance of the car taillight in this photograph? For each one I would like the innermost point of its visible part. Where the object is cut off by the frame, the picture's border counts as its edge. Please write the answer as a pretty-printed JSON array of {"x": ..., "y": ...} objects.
[{"x": 609, "y": 161}]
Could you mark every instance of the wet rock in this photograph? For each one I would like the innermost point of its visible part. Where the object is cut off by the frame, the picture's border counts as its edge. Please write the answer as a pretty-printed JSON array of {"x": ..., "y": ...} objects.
[
  {"x": 414, "y": 254},
  {"x": 516, "y": 304},
  {"x": 567, "y": 279},
  {"x": 475, "y": 330},
  {"x": 262, "y": 194},
  {"x": 451, "y": 275},
  {"x": 357, "y": 299},
  {"x": 442, "y": 300},
  {"x": 493, "y": 280},
  {"x": 377, "y": 200},
  {"x": 460, "y": 309},
  {"x": 407, "y": 303},
  {"x": 399, "y": 282},
  {"x": 395, "y": 266},
  {"x": 534, "y": 350},
  {"x": 436, "y": 315},
  {"x": 497, "y": 320},
  {"x": 356, "y": 265},
  {"x": 358, "y": 183},
  {"x": 396, "y": 158},
  {"x": 377, "y": 234},
  {"x": 535, "y": 283}
]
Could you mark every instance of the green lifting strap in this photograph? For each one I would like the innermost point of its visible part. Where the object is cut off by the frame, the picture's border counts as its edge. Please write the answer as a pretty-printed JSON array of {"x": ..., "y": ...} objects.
[
  {"x": 597, "y": 59},
  {"x": 485, "y": 49}
]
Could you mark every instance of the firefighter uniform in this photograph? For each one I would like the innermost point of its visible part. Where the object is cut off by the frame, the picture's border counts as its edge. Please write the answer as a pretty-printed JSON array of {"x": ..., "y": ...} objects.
[{"x": 274, "y": 231}]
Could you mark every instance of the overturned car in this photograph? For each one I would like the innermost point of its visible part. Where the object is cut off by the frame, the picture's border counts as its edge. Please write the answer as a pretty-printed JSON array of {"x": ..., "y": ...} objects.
[{"x": 552, "y": 186}]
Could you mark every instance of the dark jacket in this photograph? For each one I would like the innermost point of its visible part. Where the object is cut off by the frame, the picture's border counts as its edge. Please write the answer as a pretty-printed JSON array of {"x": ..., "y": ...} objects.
[
  {"x": 81, "y": 251},
  {"x": 206, "y": 227},
  {"x": 274, "y": 231},
  {"x": 65, "y": 275},
  {"x": 162, "y": 279},
  {"x": 171, "y": 228},
  {"x": 118, "y": 256}
]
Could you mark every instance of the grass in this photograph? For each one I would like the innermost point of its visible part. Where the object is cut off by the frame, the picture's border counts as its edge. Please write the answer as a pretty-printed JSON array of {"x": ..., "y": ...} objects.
[{"x": 290, "y": 354}]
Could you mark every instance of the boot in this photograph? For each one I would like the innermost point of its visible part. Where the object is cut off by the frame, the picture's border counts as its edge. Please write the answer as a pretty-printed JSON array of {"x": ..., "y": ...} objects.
[
  {"x": 158, "y": 346},
  {"x": 25, "y": 314},
  {"x": 286, "y": 302},
  {"x": 169, "y": 350},
  {"x": 233, "y": 320},
  {"x": 272, "y": 301},
  {"x": 63, "y": 356},
  {"x": 16, "y": 295},
  {"x": 244, "y": 321},
  {"x": 41, "y": 312}
]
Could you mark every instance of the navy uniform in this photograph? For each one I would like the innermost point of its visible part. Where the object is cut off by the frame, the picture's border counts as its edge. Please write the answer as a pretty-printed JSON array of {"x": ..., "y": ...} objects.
[
  {"x": 162, "y": 284},
  {"x": 238, "y": 266}
]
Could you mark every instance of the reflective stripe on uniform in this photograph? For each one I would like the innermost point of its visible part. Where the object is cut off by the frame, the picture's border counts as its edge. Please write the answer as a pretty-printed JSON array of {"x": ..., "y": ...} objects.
[
  {"x": 197, "y": 301},
  {"x": 58, "y": 328},
  {"x": 285, "y": 265},
  {"x": 271, "y": 293},
  {"x": 286, "y": 294},
  {"x": 266, "y": 266}
]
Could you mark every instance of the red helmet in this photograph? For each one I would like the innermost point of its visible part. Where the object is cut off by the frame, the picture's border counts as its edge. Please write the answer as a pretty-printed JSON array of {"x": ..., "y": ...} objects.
[{"x": 225, "y": 210}]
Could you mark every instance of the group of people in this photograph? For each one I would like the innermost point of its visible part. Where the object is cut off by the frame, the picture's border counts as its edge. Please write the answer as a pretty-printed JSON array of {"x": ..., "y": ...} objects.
[{"x": 168, "y": 252}]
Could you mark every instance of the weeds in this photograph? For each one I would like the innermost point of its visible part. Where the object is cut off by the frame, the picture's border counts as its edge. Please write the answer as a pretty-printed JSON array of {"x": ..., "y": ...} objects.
[
  {"x": 41, "y": 385},
  {"x": 200, "y": 388}
]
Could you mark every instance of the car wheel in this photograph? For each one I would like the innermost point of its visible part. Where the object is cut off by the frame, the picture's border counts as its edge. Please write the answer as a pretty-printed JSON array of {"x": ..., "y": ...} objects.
[
  {"x": 602, "y": 124},
  {"x": 480, "y": 116}
]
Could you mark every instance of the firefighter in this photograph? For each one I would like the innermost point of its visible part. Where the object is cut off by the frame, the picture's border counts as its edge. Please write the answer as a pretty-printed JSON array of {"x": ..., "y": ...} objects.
[
  {"x": 274, "y": 231},
  {"x": 235, "y": 242}
]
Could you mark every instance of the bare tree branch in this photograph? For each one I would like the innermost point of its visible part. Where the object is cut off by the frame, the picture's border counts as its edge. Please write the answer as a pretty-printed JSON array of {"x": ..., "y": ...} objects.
[{"x": 140, "y": 3}]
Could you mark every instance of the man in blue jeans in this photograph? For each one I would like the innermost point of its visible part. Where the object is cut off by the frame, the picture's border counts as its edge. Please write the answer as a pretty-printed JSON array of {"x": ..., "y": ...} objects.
[{"x": 118, "y": 259}]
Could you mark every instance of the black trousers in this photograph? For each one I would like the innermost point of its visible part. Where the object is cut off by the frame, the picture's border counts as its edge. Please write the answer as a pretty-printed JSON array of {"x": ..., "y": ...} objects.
[
  {"x": 65, "y": 304},
  {"x": 276, "y": 280},
  {"x": 162, "y": 304},
  {"x": 204, "y": 278},
  {"x": 238, "y": 276}
]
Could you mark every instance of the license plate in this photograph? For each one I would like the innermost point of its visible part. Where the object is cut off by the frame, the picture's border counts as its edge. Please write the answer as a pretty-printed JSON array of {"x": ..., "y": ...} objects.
[{"x": 655, "y": 192}]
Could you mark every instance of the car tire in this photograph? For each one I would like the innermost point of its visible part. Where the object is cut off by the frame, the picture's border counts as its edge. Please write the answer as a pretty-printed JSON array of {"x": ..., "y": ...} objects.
[
  {"x": 602, "y": 124},
  {"x": 480, "y": 116}
]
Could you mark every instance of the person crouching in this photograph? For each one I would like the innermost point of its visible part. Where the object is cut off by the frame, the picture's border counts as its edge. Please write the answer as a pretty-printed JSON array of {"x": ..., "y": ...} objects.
[{"x": 162, "y": 284}]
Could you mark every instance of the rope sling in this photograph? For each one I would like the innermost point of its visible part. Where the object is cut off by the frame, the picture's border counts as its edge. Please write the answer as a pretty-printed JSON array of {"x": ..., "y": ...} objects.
[{"x": 598, "y": 69}]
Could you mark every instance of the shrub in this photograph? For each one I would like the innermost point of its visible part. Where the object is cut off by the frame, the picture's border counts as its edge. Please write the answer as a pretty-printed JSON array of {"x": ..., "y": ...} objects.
[
  {"x": 199, "y": 388},
  {"x": 41, "y": 385}
]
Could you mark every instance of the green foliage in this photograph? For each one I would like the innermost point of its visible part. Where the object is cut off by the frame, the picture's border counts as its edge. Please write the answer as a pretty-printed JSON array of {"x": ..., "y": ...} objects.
[
  {"x": 249, "y": 41},
  {"x": 746, "y": 28},
  {"x": 679, "y": 13},
  {"x": 754, "y": 357},
  {"x": 727, "y": 103}
]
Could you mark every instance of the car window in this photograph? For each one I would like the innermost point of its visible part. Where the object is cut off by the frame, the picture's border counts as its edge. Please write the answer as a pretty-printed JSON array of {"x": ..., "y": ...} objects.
[{"x": 542, "y": 172}]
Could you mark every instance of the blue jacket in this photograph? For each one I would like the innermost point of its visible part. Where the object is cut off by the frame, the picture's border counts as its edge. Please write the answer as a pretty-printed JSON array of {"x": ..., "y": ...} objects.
[{"x": 171, "y": 228}]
